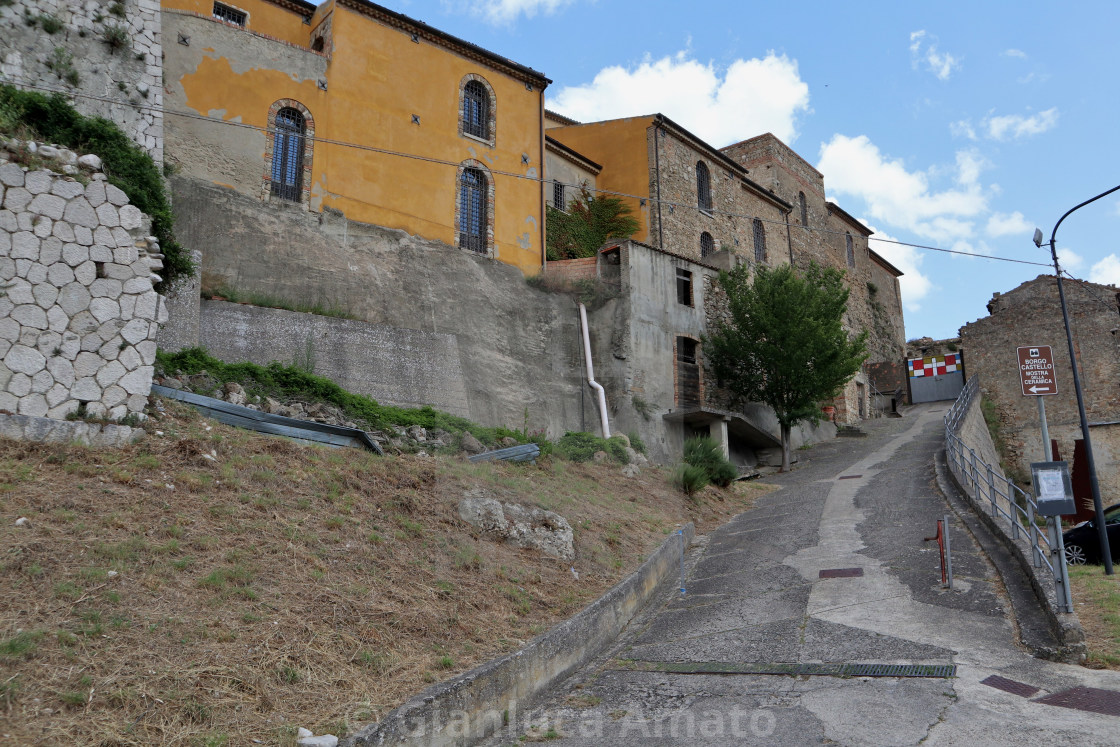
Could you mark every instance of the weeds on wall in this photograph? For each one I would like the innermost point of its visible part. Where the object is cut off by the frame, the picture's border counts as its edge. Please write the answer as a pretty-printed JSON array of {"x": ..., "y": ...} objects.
[
  {"x": 592, "y": 293},
  {"x": 61, "y": 63},
  {"x": 279, "y": 380},
  {"x": 320, "y": 307},
  {"x": 127, "y": 166},
  {"x": 115, "y": 37}
]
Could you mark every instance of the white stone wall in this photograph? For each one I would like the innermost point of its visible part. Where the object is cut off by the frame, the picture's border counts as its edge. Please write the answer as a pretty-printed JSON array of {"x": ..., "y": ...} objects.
[
  {"x": 78, "y": 315},
  {"x": 123, "y": 85}
]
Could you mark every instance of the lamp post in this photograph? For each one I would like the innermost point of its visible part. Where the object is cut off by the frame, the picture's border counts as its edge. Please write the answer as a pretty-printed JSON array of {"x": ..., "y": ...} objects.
[{"x": 1102, "y": 534}]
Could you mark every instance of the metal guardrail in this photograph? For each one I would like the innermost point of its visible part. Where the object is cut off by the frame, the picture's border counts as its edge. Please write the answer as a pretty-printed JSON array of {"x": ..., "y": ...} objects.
[{"x": 1003, "y": 498}]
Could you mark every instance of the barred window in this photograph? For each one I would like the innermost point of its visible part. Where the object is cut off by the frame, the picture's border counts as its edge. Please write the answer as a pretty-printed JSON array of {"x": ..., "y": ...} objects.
[
  {"x": 804, "y": 208},
  {"x": 287, "y": 155},
  {"x": 476, "y": 110},
  {"x": 759, "y": 241},
  {"x": 850, "y": 249},
  {"x": 230, "y": 15},
  {"x": 558, "y": 196},
  {"x": 703, "y": 186},
  {"x": 472, "y": 210},
  {"x": 707, "y": 244}
]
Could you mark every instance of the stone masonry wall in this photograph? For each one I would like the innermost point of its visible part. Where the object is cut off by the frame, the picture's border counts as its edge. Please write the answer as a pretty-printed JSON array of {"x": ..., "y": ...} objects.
[
  {"x": 1031, "y": 315},
  {"x": 122, "y": 83},
  {"x": 78, "y": 315}
]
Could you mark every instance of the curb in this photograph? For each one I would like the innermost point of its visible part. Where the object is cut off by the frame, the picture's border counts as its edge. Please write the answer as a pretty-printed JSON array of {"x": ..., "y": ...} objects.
[
  {"x": 476, "y": 704},
  {"x": 1064, "y": 626}
]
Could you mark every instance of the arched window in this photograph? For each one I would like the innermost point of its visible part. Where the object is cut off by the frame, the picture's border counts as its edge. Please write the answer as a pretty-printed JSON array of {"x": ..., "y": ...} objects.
[
  {"x": 759, "y": 240},
  {"x": 804, "y": 209},
  {"x": 850, "y": 249},
  {"x": 476, "y": 110},
  {"x": 287, "y": 155},
  {"x": 707, "y": 244},
  {"x": 703, "y": 186},
  {"x": 473, "y": 220}
]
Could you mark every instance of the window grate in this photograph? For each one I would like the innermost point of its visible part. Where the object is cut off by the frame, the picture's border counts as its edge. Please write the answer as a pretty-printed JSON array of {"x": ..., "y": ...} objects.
[
  {"x": 759, "y": 241},
  {"x": 472, "y": 211},
  {"x": 703, "y": 186},
  {"x": 684, "y": 287},
  {"x": 287, "y": 155},
  {"x": 230, "y": 15},
  {"x": 804, "y": 208},
  {"x": 476, "y": 110},
  {"x": 558, "y": 196},
  {"x": 707, "y": 244}
]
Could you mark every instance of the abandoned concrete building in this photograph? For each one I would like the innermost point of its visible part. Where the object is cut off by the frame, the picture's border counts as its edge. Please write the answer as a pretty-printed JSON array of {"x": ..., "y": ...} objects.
[{"x": 1030, "y": 315}]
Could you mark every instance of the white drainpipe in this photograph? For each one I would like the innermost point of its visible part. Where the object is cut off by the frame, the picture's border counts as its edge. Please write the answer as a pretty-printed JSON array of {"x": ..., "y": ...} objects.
[{"x": 591, "y": 372}]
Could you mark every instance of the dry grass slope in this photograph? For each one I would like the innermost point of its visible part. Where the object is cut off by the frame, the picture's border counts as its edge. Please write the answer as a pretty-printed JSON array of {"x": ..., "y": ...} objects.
[{"x": 213, "y": 587}]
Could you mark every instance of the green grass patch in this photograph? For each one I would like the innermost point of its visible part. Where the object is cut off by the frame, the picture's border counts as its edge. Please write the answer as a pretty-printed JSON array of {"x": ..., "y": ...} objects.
[{"x": 20, "y": 646}]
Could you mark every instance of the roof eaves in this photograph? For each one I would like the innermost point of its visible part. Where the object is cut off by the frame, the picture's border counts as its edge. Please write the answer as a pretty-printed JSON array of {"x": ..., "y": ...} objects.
[
  {"x": 560, "y": 117},
  {"x": 879, "y": 259},
  {"x": 659, "y": 250},
  {"x": 464, "y": 47},
  {"x": 302, "y": 7},
  {"x": 834, "y": 208},
  {"x": 572, "y": 155}
]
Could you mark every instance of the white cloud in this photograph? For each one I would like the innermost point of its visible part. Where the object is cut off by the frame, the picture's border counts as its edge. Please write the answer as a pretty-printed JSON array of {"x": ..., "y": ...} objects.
[
  {"x": 923, "y": 48},
  {"x": 1107, "y": 271},
  {"x": 1071, "y": 260},
  {"x": 506, "y": 11},
  {"x": 854, "y": 166},
  {"x": 1015, "y": 126},
  {"x": 913, "y": 284},
  {"x": 963, "y": 128},
  {"x": 1015, "y": 53},
  {"x": 1007, "y": 224},
  {"x": 721, "y": 105}
]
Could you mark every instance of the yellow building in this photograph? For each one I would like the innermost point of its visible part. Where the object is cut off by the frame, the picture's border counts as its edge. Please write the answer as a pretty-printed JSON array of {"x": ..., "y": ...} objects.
[{"x": 352, "y": 107}]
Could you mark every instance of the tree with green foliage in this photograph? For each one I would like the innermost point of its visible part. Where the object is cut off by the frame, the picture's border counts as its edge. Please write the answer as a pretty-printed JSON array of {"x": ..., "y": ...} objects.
[
  {"x": 588, "y": 223},
  {"x": 784, "y": 343}
]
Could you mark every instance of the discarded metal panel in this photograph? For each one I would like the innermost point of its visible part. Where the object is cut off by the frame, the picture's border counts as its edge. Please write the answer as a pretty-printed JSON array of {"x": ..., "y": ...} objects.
[
  {"x": 519, "y": 453},
  {"x": 1009, "y": 686},
  {"x": 277, "y": 425}
]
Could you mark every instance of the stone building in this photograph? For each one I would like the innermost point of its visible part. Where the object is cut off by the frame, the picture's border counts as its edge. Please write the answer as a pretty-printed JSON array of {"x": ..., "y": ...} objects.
[
  {"x": 349, "y": 106},
  {"x": 113, "y": 51},
  {"x": 1030, "y": 315}
]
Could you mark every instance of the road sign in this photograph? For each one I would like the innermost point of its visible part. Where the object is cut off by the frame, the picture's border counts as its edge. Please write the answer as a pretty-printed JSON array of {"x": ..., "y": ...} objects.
[{"x": 1036, "y": 370}]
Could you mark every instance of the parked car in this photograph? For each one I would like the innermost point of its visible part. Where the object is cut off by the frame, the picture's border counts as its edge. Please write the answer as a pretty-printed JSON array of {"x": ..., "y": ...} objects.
[{"x": 1083, "y": 543}]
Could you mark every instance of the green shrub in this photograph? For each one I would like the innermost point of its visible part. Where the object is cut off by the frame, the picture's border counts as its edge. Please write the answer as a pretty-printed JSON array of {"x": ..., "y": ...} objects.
[
  {"x": 636, "y": 442},
  {"x": 616, "y": 447},
  {"x": 577, "y": 446},
  {"x": 279, "y": 380},
  {"x": 50, "y": 24},
  {"x": 125, "y": 164},
  {"x": 705, "y": 453},
  {"x": 116, "y": 37},
  {"x": 690, "y": 478}
]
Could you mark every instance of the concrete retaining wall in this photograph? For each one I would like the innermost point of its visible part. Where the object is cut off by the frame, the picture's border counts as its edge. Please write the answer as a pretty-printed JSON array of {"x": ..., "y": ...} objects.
[{"x": 475, "y": 705}]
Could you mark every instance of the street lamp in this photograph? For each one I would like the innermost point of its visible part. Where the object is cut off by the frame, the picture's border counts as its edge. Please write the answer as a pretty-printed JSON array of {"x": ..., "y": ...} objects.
[{"x": 1102, "y": 534}]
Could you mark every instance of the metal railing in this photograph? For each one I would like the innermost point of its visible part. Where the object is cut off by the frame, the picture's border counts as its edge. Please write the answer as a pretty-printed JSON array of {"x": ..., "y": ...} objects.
[{"x": 1003, "y": 498}]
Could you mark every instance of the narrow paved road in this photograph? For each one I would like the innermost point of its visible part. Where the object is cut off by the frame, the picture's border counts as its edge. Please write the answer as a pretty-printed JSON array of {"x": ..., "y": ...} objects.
[{"x": 685, "y": 672}]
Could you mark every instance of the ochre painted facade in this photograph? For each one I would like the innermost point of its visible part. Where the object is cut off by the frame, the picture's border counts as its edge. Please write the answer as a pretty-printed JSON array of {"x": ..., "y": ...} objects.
[{"x": 381, "y": 94}]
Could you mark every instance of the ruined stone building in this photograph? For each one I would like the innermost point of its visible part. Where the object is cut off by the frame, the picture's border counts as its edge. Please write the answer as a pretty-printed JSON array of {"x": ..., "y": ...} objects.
[
  {"x": 352, "y": 107},
  {"x": 1030, "y": 315}
]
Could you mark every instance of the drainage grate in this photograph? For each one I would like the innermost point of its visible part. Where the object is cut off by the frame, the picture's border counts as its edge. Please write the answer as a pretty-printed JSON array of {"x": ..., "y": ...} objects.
[
  {"x": 849, "y": 477},
  {"x": 1091, "y": 699},
  {"x": 1009, "y": 686},
  {"x": 841, "y": 573},
  {"x": 840, "y": 669}
]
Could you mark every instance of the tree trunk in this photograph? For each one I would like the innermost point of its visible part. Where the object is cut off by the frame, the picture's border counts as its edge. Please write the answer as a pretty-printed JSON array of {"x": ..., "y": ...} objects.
[{"x": 785, "y": 447}]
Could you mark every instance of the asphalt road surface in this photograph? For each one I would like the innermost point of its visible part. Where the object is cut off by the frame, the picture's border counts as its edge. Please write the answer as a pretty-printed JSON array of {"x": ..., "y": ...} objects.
[{"x": 685, "y": 672}]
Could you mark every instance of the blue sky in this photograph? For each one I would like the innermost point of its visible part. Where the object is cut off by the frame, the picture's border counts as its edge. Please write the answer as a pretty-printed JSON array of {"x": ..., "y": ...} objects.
[{"x": 955, "y": 125}]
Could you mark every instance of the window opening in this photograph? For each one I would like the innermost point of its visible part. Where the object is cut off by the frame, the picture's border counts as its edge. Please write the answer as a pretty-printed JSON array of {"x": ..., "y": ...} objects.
[
  {"x": 558, "y": 196},
  {"x": 759, "y": 241},
  {"x": 287, "y": 155},
  {"x": 707, "y": 244},
  {"x": 476, "y": 110},
  {"x": 686, "y": 350},
  {"x": 230, "y": 15},
  {"x": 703, "y": 186},
  {"x": 684, "y": 287},
  {"x": 472, "y": 211},
  {"x": 850, "y": 249},
  {"x": 804, "y": 209}
]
